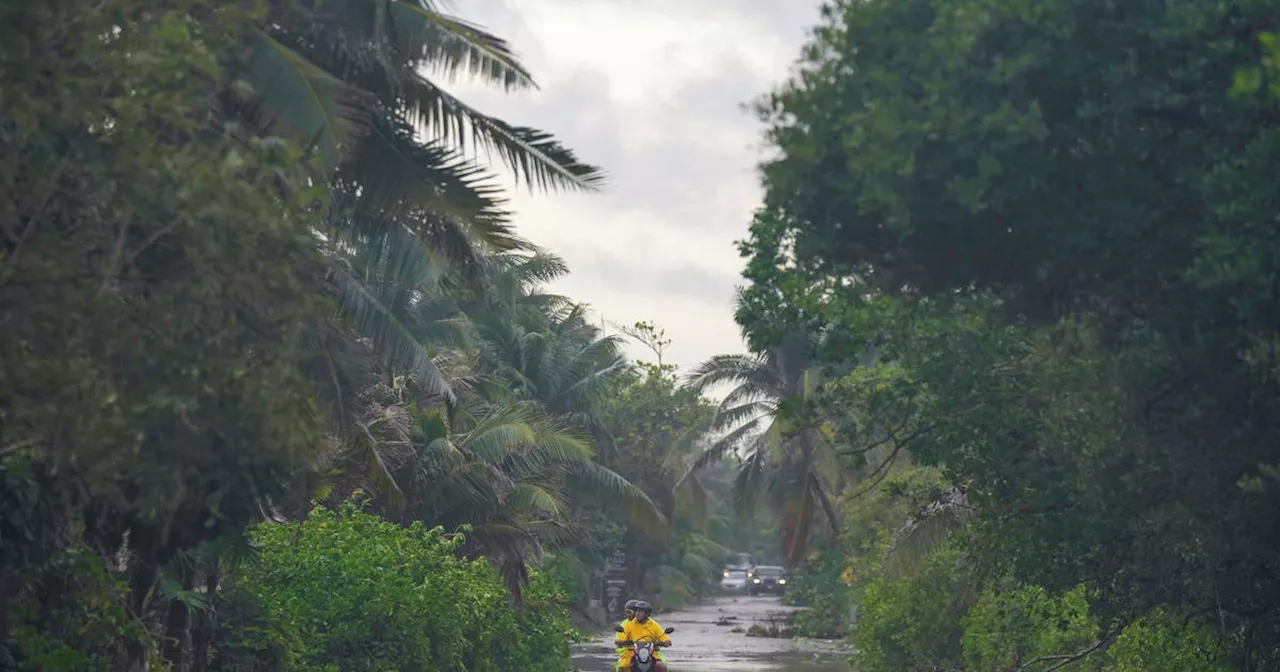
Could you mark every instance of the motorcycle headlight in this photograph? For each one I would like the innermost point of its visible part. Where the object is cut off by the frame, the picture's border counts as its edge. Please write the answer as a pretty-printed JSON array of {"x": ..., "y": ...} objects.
[{"x": 644, "y": 655}]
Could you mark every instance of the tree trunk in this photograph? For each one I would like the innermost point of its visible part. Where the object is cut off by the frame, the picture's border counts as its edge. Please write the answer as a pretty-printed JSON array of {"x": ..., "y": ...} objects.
[
  {"x": 4, "y": 606},
  {"x": 136, "y": 656},
  {"x": 176, "y": 645},
  {"x": 203, "y": 628}
]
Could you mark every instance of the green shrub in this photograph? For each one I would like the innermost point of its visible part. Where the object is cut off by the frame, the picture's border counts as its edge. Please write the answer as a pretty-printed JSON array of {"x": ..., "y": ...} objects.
[
  {"x": 347, "y": 591},
  {"x": 1010, "y": 628},
  {"x": 560, "y": 569},
  {"x": 914, "y": 623},
  {"x": 1160, "y": 642},
  {"x": 68, "y": 615},
  {"x": 818, "y": 584}
]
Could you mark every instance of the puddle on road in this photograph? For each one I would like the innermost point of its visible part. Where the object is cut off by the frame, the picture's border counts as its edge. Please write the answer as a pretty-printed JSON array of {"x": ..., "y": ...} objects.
[
  {"x": 709, "y": 638},
  {"x": 728, "y": 658},
  {"x": 774, "y": 663}
]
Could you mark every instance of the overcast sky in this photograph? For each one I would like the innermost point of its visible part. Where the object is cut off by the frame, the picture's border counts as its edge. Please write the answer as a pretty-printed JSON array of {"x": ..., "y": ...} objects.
[{"x": 652, "y": 91}]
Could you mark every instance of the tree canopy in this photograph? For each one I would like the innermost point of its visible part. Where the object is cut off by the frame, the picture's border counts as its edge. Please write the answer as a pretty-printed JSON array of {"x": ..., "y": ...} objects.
[
  {"x": 1052, "y": 222},
  {"x": 251, "y": 269}
]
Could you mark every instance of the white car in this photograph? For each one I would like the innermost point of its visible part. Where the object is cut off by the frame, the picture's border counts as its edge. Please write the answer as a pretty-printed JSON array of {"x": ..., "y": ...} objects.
[{"x": 734, "y": 580}]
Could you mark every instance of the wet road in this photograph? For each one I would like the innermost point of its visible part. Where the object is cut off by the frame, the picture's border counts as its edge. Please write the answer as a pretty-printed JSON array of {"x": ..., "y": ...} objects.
[{"x": 706, "y": 641}]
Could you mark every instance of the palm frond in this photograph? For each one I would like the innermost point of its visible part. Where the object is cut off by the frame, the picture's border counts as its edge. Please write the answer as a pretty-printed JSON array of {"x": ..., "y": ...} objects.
[
  {"x": 393, "y": 340},
  {"x": 484, "y": 387},
  {"x": 540, "y": 267},
  {"x": 727, "y": 417},
  {"x": 745, "y": 370},
  {"x": 534, "y": 157},
  {"x": 642, "y": 511},
  {"x": 913, "y": 542},
  {"x": 340, "y": 368},
  {"x": 397, "y": 173},
  {"x": 474, "y": 490},
  {"x": 376, "y": 468},
  {"x": 497, "y": 437},
  {"x": 303, "y": 102},
  {"x": 537, "y": 500},
  {"x": 556, "y": 533},
  {"x": 730, "y": 442},
  {"x": 451, "y": 46},
  {"x": 589, "y": 386},
  {"x": 746, "y": 394}
]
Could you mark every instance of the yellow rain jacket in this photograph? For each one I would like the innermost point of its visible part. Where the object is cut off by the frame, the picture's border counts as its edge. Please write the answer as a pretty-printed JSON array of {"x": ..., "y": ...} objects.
[{"x": 634, "y": 630}]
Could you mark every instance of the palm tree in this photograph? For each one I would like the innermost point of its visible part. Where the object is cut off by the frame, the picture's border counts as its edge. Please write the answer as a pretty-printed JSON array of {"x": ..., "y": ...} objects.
[
  {"x": 357, "y": 81},
  {"x": 788, "y": 461},
  {"x": 355, "y": 78},
  {"x": 502, "y": 469},
  {"x": 424, "y": 255},
  {"x": 409, "y": 210},
  {"x": 543, "y": 344}
]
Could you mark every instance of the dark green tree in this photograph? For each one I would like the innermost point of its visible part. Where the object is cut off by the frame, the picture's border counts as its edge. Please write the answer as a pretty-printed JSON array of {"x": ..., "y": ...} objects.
[{"x": 1056, "y": 218}]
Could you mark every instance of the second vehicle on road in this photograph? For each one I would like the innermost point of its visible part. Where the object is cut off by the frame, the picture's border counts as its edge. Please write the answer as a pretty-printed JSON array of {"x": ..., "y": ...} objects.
[{"x": 767, "y": 579}]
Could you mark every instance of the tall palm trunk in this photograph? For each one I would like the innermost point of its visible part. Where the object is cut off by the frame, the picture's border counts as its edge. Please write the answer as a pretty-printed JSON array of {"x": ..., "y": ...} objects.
[
  {"x": 176, "y": 649},
  {"x": 202, "y": 630},
  {"x": 4, "y": 605},
  {"x": 136, "y": 656}
]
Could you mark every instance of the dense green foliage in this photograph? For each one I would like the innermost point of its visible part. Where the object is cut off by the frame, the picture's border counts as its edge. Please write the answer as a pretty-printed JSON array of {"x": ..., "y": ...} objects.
[
  {"x": 248, "y": 265},
  {"x": 155, "y": 276},
  {"x": 821, "y": 585},
  {"x": 1051, "y": 226},
  {"x": 1012, "y": 395},
  {"x": 349, "y": 591},
  {"x": 653, "y": 430}
]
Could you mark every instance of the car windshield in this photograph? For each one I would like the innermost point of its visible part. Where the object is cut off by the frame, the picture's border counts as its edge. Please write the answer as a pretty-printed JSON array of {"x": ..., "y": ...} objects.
[
  {"x": 770, "y": 572},
  {"x": 735, "y": 573}
]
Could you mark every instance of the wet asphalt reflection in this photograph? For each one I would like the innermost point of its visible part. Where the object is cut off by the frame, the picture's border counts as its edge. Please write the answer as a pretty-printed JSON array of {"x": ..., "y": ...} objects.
[{"x": 710, "y": 638}]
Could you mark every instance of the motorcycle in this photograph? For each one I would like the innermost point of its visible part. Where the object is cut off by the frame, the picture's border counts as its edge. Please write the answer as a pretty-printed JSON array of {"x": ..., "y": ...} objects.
[{"x": 643, "y": 649}]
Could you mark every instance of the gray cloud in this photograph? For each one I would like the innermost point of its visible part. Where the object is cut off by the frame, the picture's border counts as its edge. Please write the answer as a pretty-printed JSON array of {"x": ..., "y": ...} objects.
[
  {"x": 641, "y": 276},
  {"x": 652, "y": 91}
]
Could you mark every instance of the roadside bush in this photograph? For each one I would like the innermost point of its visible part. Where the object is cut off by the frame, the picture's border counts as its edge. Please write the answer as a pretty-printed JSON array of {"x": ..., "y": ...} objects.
[
  {"x": 68, "y": 615},
  {"x": 819, "y": 585},
  {"x": 1008, "y": 629},
  {"x": 62, "y": 609},
  {"x": 559, "y": 568},
  {"x": 915, "y": 623},
  {"x": 1161, "y": 642},
  {"x": 347, "y": 591},
  {"x": 930, "y": 622}
]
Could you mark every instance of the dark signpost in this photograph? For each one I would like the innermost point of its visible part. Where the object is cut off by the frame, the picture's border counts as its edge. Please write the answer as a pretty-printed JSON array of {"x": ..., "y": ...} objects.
[{"x": 615, "y": 586}]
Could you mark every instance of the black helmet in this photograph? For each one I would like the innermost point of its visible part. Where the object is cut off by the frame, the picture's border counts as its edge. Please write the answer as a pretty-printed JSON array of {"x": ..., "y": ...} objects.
[
  {"x": 647, "y": 608},
  {"x": 631, "y": 605}
]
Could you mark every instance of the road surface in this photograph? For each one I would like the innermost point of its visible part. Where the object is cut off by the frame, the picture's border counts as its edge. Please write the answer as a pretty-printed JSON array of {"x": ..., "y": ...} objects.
[{"x": 706, "y": 641}]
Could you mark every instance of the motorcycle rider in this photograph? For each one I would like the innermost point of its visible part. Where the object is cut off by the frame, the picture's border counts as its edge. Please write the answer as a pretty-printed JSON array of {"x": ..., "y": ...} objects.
[
  {"x": 643, "y": 626},
  {"x": 630, "y": 610}
]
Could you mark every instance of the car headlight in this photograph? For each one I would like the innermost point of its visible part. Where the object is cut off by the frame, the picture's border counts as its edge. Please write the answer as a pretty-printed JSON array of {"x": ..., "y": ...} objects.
[
  {"x": 756, "y": 581},
  {"x": 781, "y": 581},
  {"x": 726, "y": 575}
]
